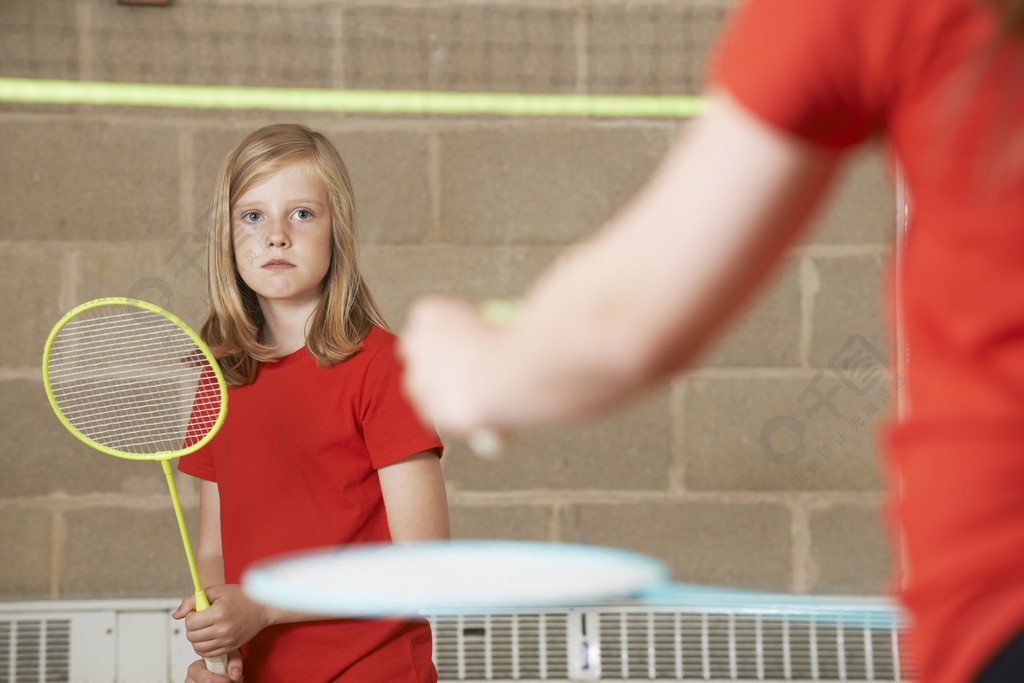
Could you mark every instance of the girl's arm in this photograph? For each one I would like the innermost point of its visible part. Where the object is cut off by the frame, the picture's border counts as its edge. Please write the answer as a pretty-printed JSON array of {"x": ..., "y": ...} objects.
[
  {"x": 629, "y": 307},
  {"x": 210, "y": 566},
  {"x": 417, "y": 509},
  {"x": 209, "y": 552},
  {"x": 415, "y": 498},
  {"x": 232, "y": 619}
]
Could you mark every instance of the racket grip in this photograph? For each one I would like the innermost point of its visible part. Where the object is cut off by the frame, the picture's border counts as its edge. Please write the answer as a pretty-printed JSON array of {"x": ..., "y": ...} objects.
[
  {"x": 217, "y": 665},
  {"x": 485, "y": 443},
  {"x": 499, "y": 311}
]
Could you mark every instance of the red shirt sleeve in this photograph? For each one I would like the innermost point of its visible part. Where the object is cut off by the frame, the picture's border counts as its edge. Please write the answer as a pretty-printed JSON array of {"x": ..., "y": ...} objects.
[
  {"x": 200, "y": 463},
  {"x": 205, "y": 410},
  {"x": 820, "y": 69},
  {"x": 392, "y": 429}
]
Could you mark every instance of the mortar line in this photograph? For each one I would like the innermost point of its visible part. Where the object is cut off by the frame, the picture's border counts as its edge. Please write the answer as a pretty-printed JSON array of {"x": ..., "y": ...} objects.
[
  {"x": 58, "y": 539},
  {"x": 581, "y": 36},
  {"x": 809, "y": 284},
  {"x": 677, "y": 417},
  {"x": 434, "y": 184},
  {"x": 800, "y": 551},
  {"x": 86, "y": 56}
]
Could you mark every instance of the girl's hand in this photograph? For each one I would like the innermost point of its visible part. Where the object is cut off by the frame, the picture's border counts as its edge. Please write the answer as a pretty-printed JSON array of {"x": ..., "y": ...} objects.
[
  {"x": 197, "y": 672},
  {"x": 231, "y": 620}
]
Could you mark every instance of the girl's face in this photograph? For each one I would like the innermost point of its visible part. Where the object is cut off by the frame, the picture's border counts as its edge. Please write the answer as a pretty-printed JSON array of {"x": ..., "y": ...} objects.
[{"x": 282, "y": 237}]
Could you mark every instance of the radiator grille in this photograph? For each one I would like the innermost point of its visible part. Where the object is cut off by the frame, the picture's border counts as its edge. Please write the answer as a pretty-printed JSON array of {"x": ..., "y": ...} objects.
[
  {"x": 646, "y": 645},
  {"x": 34, "y": 650},
  {"x": 502, "y": 647},
  {"x": 65, "y": 642},
  {"x": 629, "y": 642}
]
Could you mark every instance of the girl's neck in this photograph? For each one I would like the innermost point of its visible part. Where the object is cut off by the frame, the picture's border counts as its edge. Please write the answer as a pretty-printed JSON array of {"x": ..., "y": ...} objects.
[{"x": 285, "y": 324}]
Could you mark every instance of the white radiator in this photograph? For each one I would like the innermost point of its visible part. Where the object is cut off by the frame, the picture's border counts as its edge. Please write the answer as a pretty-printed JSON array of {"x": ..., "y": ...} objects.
[
  {"x": 631, "y": 642},
  {"x": 129, "y": 641},
  {"x": 136, "y": 641}
]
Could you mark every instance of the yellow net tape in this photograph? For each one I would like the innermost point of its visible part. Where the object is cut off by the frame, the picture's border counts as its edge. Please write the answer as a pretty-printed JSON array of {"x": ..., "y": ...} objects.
[{"x": 44, "y": 91}]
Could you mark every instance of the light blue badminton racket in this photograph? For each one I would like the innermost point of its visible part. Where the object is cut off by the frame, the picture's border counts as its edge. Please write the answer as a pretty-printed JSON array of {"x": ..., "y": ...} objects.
[{"x": 458, "y": 577}]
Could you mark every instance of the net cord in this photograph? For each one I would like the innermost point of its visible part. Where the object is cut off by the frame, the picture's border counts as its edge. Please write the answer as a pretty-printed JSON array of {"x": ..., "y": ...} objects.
[{"x": 51, "y": 91}]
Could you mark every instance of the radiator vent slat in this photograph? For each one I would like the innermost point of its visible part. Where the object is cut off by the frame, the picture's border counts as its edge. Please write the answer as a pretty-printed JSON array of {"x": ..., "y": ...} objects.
[{"x": 33, "y": 650}]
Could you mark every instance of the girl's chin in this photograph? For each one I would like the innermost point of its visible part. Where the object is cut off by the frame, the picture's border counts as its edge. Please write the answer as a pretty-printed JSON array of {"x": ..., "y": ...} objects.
[{"x": 287, "y": 297}]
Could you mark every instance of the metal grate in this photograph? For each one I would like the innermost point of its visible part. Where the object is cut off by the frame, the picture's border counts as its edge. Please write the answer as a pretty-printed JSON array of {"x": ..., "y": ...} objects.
[
  {"x": 662, "y": 643},
  {"x": 35, "y": 650},
  {"x": 61, "y": 642},
  {"x": 679, "y": 646},
  {"x": 510, "y": 647}
]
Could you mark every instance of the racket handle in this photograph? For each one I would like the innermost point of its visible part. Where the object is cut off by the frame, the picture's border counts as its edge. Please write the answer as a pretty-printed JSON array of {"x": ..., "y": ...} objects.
[
  {"x": 217, "y": 665},
  {"x": 485, "y": 443},
  {"x": 499, "y": 311}
]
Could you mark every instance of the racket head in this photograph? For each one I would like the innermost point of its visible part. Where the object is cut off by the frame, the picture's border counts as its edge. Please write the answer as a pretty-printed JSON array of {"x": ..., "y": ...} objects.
[
  {"x": 450, "y": 577},
  {"x": 133, "y": 380}
]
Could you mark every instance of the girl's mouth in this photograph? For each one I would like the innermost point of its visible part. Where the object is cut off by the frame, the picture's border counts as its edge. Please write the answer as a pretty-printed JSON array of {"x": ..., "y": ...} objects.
[{"x": 277, "y": 264}]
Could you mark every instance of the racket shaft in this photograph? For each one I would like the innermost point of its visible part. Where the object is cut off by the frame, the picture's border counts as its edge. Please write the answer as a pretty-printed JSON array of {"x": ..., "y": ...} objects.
[
  {"x": 218, "y": 664},
  {"x": 184, "y": 534}
]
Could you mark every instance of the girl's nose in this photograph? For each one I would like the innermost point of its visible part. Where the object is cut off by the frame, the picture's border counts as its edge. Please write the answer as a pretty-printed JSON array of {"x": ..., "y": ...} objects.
[{"x": 277, "y": 234}]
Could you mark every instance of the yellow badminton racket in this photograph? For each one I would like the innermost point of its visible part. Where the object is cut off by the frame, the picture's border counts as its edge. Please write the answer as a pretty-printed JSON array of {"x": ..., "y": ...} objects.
[{"x": 132, "y": 380}]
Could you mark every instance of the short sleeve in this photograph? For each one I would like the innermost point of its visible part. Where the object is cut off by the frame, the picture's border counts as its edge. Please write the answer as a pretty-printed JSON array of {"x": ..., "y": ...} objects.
[
  {"x": 818, "y": 69},
  {"x": 204, "y": 412},
  {"x": 392, "y": 430},
  {"x": 200, "y": 463}
]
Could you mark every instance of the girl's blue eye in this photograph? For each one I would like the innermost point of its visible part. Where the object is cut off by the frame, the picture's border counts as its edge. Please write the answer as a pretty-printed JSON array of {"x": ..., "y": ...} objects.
[
  {"x": 251, "y": 217},
  {"x": 303, "y": 214}
]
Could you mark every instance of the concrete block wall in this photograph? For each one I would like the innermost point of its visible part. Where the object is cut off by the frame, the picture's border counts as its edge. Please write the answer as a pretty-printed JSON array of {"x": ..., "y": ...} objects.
[{"x": 757, "y": 469}]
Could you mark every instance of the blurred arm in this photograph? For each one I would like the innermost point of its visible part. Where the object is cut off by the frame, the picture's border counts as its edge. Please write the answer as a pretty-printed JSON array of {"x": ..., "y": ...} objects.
[{"x": 624, "y": 310}]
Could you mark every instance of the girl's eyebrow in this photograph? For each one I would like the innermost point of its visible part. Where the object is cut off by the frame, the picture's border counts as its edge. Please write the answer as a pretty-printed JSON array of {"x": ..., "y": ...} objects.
[{"x": 258, "y": 204}]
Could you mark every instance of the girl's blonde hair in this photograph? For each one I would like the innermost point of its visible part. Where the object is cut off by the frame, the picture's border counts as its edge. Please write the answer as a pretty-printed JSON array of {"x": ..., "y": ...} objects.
[
  {"x": 1009, "y": 14},
  {"x": 346, "y": 312}
]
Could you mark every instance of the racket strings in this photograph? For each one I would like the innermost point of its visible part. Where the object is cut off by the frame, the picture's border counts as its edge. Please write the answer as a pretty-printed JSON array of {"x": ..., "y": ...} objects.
[{"x": 133, "y": 381}]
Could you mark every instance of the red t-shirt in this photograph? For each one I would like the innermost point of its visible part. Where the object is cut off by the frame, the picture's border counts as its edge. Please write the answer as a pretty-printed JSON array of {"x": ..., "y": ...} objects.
[
  {"x": 925, "y": 75},
  {"x": 296, "y": 465}
]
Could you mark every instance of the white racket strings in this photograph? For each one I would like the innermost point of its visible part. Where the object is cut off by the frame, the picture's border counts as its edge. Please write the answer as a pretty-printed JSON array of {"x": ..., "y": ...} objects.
[{"x": 133, "y": 381}]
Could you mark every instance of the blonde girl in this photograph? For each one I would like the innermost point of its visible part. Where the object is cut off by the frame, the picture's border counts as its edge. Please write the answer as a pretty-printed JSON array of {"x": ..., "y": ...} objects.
[{"x": 319, "y": 447}]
